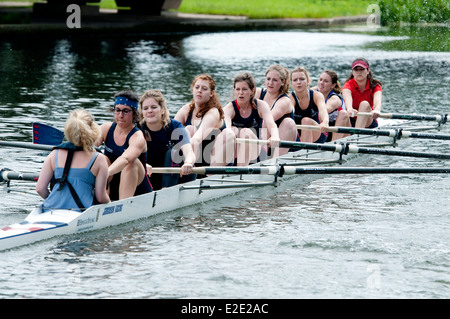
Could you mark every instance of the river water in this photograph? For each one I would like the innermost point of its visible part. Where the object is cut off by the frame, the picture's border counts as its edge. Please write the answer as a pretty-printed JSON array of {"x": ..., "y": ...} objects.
[{"x": 347, "y": 236}]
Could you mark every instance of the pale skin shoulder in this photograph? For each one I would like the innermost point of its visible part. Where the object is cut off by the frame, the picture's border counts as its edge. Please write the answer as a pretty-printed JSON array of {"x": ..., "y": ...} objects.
[
  {"x": 282, "y": 106},
  {"x": 182, "y": 114}
]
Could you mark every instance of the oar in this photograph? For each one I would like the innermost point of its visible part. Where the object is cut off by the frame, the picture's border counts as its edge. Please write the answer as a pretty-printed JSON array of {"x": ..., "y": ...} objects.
[
  {"x": 27, "y": 145},
  {"x": 208, "y": 170},
  {"x": 345, "y": 149},
  {"x": 45, "y": 134},
  {"x": 8, "y": 175},
  {"x": 31, "y": 146},
  {"x": 291, "y": 170},
  {"x": 438, "y": 118},
  {"x": 397, "y": 133}
]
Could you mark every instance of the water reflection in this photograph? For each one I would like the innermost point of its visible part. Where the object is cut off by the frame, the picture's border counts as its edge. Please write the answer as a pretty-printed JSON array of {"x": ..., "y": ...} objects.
[{"x": 44, "y": 78}]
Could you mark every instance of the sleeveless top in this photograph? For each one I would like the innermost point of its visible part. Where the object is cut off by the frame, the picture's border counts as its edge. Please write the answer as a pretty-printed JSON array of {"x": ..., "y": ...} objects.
[
  {"x": 287, "y": 115},
  {"x": 312, "y": 111},
  {"x": 169, "y": 139},
  {"x": 254, "y": 121},
  {"x": 206, "y": 157},
  {"x": 334, "y": 114},
  {"x": 81, "y": 179},
  {"x": 113, "y": 152}
]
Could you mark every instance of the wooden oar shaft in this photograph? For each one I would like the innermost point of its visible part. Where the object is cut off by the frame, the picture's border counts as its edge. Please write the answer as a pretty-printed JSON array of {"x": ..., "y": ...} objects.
[
  {"x": 209, "y": 170},
  {"x": 8, "y": 175},
  {"x": 419, "y": 117},
  {"x": 397, "y": 133},
  {"x": 32, "y": 146}
]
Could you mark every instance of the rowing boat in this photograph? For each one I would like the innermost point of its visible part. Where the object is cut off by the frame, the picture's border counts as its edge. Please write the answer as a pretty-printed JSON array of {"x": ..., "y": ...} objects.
[{"x": 39, "y": 226}]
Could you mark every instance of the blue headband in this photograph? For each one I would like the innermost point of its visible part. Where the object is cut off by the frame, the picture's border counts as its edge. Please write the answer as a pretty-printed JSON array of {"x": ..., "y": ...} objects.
[{"x": 126, "y": 101}]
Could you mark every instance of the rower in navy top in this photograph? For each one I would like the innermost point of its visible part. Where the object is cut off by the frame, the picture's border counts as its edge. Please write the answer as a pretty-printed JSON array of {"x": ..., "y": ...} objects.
[
  {"x": 203, "y": 118},
  {"x": 310, "y": 107},
  {"x": 328, "y": 84},
  {"x": 168, "y": 143},
  {"x": 275, "y": 95},
  {"x": 79, "y": 173},
  {"x": 253, "y": 121},
  {"x": 244, "y": 117},
  {"x": 126, "y": 148}
]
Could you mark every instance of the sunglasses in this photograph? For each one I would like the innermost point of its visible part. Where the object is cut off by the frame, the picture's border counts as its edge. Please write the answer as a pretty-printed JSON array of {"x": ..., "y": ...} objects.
[{"x": 124, "y": 111}]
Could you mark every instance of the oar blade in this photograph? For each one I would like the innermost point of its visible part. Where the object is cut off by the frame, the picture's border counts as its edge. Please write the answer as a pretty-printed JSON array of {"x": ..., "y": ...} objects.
[{"x": 45, "y": 134}]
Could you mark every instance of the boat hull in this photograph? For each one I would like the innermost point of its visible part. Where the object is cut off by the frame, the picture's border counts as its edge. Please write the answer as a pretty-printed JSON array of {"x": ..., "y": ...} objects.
[{"x": 39, "y": 226}]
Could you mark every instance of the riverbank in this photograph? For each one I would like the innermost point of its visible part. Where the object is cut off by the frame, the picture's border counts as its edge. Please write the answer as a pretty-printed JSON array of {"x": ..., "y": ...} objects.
[{"x": 106, "y": 21}]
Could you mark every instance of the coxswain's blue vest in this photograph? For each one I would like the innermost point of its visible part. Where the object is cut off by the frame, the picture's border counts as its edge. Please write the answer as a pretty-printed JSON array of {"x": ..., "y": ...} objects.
[{"x": 73, "y": 187}]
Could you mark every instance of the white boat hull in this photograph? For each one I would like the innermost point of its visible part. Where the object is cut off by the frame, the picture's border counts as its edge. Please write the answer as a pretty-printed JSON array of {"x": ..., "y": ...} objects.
[{"x": 39, "y": 226}]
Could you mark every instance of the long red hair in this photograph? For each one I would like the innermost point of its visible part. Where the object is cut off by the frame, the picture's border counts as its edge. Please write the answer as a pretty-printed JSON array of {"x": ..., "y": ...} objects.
[{"x": 213, "y": 102}]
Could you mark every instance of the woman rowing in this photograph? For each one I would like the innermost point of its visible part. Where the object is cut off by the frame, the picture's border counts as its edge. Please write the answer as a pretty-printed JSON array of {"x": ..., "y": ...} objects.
[
  {"x": 330, "y": 88},
  {"x": 126, "y": 148},
  {"x": 362, "y": 93},
  {"x": 244, "y": 117},
  {"x": 310, "y": 108},
  {"x": 202, "y": 117},
  {"x": 79, "y": 172},
  {"x": 168, "y": 142},
  {"x": 275, "y": 95}
]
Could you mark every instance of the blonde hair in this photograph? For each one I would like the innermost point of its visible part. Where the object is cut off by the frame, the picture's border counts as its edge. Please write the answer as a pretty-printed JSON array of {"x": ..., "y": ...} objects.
[
  {"x": 81, "y": 129},
  {"x": 159, "y": 98},
  {"x": 284, "y": 76}
]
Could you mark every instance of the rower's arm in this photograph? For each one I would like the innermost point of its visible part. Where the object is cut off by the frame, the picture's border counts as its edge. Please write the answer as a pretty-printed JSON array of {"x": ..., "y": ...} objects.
[
  {"x": 347, "y": 95},
  {"x": 137, "y": 145},
  {"x": 45, "y": 176}
]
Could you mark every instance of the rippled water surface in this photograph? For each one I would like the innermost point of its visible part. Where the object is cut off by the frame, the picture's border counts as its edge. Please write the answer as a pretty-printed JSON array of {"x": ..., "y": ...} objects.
[{"x": 347, "y": 236}]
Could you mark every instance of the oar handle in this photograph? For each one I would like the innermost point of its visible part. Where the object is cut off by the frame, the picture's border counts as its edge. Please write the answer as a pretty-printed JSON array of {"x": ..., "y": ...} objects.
[{"x": 252, "y": 141}]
